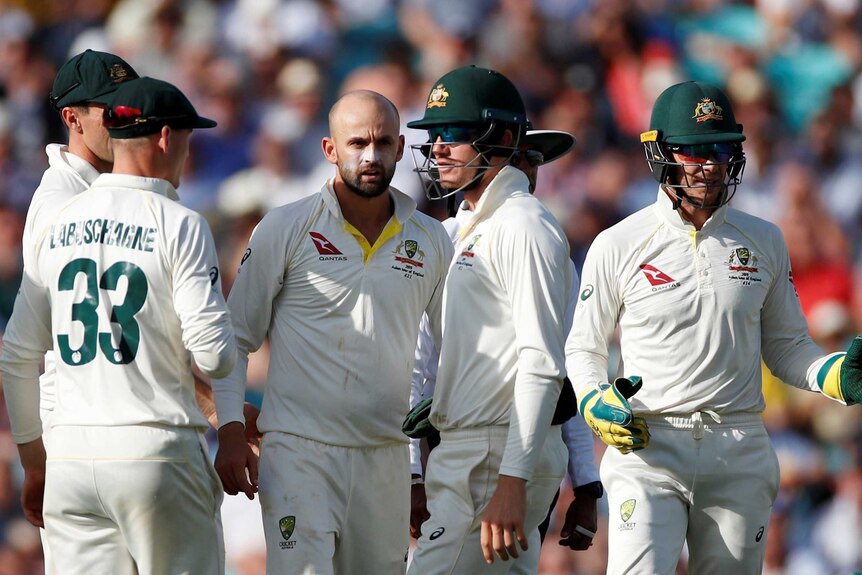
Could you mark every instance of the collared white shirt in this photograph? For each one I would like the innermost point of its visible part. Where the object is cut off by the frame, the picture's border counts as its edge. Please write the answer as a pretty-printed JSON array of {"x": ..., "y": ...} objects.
[
  {"x": 696, "y": 310},
  {"x": 342, "y": 318},
  {"x": 124, "y": 286},
  {"x": 501, "y": 360}
]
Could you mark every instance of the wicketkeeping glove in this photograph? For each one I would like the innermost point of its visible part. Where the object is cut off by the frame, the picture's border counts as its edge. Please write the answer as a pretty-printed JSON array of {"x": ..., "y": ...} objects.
[
  {"x": 416, "y": 424},
  {"x": 608, "y": 413},
  {"x": 841, "y": 376}
]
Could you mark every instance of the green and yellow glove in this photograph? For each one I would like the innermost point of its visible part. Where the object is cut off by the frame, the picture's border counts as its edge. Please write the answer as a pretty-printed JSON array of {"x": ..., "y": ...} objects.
[
  {"x": 841, "y": 376},
  {"x": 608, "y": 413}
]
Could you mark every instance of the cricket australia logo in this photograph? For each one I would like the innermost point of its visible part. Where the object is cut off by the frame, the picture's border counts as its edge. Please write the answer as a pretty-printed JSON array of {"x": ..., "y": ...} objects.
[
  {"x": 286, "y": 525},
  {"x": 742, "y": 264},
  {"x": 707, "y": 109},
  {"x": 437, "y": 97},
  {"x": 627, "y": 509},
  {"x": 409, "y": 259},
  {"x": 465, "y": 259}
]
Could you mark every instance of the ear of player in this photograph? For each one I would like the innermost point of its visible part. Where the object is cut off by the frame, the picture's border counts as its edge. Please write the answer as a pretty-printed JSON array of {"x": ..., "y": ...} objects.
[
  {"x": 608, "y": 413},
  {"x": 841, "y": 376}
]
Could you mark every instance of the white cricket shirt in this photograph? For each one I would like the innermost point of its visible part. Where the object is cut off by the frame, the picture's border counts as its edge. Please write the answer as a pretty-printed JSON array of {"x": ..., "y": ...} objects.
[
  {"x": 67, "y": 175},
  {"x": 501, "y": 359},
  {"x": 128, "y": 280},
  {"x": 696, "y": 310},
  {"x": 342, "y": 318}
]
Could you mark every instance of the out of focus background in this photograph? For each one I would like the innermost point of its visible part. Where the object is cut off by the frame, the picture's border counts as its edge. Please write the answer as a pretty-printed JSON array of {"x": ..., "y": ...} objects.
[{"x": 268, "y": 70}]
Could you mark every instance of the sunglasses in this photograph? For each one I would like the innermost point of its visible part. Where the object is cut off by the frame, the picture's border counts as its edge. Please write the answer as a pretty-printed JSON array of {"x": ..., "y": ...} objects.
[
  {"x": 54, "y": 99},
  {"x": 125, "y": 116},
  {"x": 454, "y": 134},
  {"x": 701, "y": 153}
]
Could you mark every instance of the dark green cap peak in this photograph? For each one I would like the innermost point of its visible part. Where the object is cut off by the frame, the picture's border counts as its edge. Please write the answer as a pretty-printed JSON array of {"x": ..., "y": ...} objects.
[
  {"x": 472, "y": 95},
  {"x": 89, "y": 77},
  {"x": 142, "y": 106},
  {"x": 693, "y": 113}
]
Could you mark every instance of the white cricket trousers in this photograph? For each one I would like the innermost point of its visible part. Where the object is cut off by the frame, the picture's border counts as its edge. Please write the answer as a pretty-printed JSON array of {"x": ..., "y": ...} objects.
[
  {"x": 709, "y": 483},
  {"x": 330, "y": 510},
  {"x": 460, "y": 481},
  {"x": 137, "y": 500}
]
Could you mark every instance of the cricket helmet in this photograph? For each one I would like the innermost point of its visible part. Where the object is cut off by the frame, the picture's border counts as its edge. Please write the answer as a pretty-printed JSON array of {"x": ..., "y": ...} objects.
[
  {"x": 469, "y": 105},
  {"x": 694, "y": 119}
]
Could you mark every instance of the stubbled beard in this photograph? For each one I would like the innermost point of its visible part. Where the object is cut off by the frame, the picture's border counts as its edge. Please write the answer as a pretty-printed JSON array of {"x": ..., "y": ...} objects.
[{"x": 353, "y": 181}]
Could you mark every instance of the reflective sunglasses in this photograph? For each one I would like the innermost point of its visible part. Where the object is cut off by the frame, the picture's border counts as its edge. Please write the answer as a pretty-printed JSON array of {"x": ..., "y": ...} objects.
[
  {"x": 702, "y": 153},
  {"x": 454, "y": 134}
]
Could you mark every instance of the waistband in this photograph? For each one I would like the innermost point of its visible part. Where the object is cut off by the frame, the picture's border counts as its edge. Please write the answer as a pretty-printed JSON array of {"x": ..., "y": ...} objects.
[
  {"x": 705, "y": 419},
  {"x": 488, "y": 431}
]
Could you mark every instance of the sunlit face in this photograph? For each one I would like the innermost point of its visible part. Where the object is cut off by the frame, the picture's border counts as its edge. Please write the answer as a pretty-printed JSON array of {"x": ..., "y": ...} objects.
[
  {"x": 93, "y": 131},
  {"x": 365, "y": 146},
  {"x": 701, "y": 179}
]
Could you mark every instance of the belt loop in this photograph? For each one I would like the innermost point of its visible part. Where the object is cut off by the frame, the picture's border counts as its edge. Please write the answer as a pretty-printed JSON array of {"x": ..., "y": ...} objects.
[{"x": 697, "y": 420}]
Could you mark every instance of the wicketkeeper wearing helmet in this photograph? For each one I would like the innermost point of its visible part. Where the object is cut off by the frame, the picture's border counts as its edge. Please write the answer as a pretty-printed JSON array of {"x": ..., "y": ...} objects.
[
  {"x": 491, "y": 479},
  {"x": 700, "y": 292}
]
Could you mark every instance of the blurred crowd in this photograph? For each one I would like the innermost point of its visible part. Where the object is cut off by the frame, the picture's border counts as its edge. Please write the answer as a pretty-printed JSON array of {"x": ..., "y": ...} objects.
[{"x": 268, "y": 70}]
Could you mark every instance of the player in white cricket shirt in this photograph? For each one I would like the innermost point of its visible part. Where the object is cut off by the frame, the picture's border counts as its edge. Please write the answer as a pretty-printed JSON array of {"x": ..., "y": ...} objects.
[
  {"x": 700, "y": 292},
  {"x": 339, "y": 282},
  {"x": 490, "y": 481},
  {"x": 537, "y": 148},
  {"x": 77, "y": 95},
  {"x": 123, "y": 285}
]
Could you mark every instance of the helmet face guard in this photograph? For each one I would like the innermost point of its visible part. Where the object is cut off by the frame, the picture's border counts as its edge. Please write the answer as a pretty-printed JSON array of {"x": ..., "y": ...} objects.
[
  {"x": 468, "y": 106},
  {"x": 674, "y": 176},
  {"x": 425, "y": 163}
]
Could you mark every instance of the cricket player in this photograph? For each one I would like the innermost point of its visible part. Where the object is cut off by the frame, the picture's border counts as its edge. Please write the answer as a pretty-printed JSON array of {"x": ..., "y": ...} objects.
[
  {"x": 123, "y": 285},
  {"x": 338, "y": 281},
  {"x": 699, "y": 292},
  {"x": 537, "y": 148},
  {"x": 492, "y": 477}
]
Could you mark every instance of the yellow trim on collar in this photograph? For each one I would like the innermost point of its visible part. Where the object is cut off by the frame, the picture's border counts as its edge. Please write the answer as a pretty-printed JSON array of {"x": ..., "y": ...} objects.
[{"x": 392, "y": 229}]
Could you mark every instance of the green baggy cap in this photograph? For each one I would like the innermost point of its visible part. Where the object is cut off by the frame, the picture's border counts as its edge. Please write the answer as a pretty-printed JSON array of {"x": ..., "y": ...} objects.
[
  {"x": 141, "y": 107},
  {"x": 693, "y": 113},
  {"x": 89, "y": 77}
]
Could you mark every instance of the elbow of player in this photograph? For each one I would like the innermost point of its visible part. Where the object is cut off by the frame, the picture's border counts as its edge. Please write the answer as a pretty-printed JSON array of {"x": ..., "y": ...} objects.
[{"x": 217, "y": 364}]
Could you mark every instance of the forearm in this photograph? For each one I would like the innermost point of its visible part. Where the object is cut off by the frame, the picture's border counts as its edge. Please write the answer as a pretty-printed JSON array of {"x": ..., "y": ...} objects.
[
  {"x": 21, "y": 393},
  {"x": 579, "y": 442},
  {"x": 532, "y": 410},
  {"x": 229, "y": 393}
]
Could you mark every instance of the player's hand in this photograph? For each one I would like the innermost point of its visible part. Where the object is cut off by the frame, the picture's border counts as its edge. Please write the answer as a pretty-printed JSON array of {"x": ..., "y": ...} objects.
[
  {"x": 32, "y": 455},
  {"x": 503, "y": 521},
  {"x": 841, "y": 376},
  {"x": 252, "y": 434},
  {"x": 609, "y": 415},
  {"x": 580, "y": 524},
  {"x": 418, "y": 509},
  {"x": 851, "y": 373},
  {"x": 236, "y": 464}
]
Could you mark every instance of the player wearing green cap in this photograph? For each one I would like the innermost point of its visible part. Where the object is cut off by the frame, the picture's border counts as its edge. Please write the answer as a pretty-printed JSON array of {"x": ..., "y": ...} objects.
[
  {"x": 500, "y": 461},
  {"x": 699, "y": 292},
  {"x": 123, "y": 285}
]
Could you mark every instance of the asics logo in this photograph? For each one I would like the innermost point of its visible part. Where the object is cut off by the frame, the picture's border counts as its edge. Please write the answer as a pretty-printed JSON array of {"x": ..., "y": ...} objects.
[
  {"x": 655, "y": 276},
  {"x": 323, "y": 245}
]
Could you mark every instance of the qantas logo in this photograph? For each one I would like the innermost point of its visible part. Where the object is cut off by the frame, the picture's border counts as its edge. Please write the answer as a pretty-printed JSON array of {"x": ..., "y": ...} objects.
[
  {"x": 323, "y": 245},
  {"x": 655, "y": 276},
  {"x": 659, "y": 280}
]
